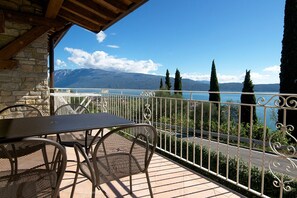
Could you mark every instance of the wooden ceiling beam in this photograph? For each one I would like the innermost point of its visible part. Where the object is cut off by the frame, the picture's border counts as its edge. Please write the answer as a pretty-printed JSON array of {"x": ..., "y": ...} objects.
[
  {"x": 118, "y": 5},
  {"x": 32, "y": 19},
  {"x": 53, "y": 8},
  {"x": 136, "y": 1},
  {"x": 19, "y": 43},
  {"x": 84, "y": 13},
  {"x": 7, "y": 64},
  {"x": 79, "y": 21},
  {"x": 95, "y": 8},
  {"x": 2, "y": 22}
]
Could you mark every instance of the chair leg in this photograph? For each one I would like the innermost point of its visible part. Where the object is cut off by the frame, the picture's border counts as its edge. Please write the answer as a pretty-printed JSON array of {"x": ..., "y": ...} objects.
[
  {"x": 93, "y": 191},
  {"x": 75, "y": 179},
  {"x": 149, "y": 183},
  {"x": 130, "y": 184}
]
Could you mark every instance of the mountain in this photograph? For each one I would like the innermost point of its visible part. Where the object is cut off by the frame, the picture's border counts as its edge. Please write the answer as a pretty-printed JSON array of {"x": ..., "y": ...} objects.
[{"x": 97, "y": 78}]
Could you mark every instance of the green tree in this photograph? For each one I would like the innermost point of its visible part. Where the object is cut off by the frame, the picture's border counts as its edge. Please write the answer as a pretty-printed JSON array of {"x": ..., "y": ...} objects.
[
  {"x": 161, "y": 84},
  {"x": 177, "y": 83},
  {"x": 248, "y": 87},
  {"x": 167, "y": 80},
  {"x": 214, "y": 85},
  {"x": 288, "y": 67}
]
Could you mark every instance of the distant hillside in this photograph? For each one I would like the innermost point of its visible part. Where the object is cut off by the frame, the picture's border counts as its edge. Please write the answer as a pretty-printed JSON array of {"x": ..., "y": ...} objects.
[{"x": 97, "y": 78}]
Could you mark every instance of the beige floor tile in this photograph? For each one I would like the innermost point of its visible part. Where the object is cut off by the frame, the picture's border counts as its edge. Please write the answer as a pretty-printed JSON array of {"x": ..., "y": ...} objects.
[{"x": 167, "y": 180}]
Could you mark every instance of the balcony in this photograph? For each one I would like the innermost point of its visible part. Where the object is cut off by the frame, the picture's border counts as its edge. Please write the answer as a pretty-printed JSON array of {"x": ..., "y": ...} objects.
[{"x": 195, "y": 135}]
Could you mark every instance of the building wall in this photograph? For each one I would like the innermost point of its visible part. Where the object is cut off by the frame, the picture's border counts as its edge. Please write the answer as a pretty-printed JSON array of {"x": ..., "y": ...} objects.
[{"x": 27, "y": 83}]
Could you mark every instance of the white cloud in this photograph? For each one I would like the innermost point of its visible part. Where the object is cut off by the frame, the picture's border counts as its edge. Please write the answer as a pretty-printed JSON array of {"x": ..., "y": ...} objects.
[
  {"x": 101, "y": 36},
  {"x": 257, "y": 78},
  {"x": 60, "y": 63},
  {"x": 113, "y": 46},
  {"x": 195, "y": 76},
  {"x": 264, "y": 78},
  {"x": 272, "y": 69},
  {"x": 223, "y": 78},
  {"x": 102, "y": 60}
]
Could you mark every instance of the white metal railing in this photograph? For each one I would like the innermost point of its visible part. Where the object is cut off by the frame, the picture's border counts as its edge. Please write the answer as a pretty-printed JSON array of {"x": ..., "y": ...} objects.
[{"x": 259, "y": 157}]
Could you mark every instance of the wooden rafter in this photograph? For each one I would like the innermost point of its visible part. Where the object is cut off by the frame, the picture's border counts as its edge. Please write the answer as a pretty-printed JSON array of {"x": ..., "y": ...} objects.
[
  {"x": 2, "y": 22},
  {"x": 80, "y": 21},
  {"x": 117, "y": 4},
  {"x": 136, "y": 1},
  {"x": 7, "y": 64},
  {"x": 18, "y": 44},
  {"x": 53, "y": 8},
  {"x": 84, "y": 13},
  {"x": 32, "y": 19},
  {"x": 95, "y": 8}
]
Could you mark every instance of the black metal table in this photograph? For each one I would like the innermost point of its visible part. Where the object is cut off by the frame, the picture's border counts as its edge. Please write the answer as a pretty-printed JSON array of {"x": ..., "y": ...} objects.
[{"x": 18, "y": 128}]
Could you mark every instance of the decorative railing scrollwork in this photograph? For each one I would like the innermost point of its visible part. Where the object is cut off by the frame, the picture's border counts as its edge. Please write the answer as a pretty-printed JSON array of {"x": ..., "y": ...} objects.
[
  {"x": 147, "y": 112},
  {"x": 103, "y": 104},
  {"x": 147, "y": 93},
  {"x": 279, "y": 101},
  {"x": 284, "y": 152}
]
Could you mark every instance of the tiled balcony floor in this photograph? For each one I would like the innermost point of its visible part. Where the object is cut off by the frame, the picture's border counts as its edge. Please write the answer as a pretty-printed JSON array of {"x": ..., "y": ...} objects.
[{"x": 168, "y": 179}]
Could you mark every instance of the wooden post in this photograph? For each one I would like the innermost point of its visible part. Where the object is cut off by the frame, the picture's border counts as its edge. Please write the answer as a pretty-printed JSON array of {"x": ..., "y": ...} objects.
[{"x": 51, "y": 73}]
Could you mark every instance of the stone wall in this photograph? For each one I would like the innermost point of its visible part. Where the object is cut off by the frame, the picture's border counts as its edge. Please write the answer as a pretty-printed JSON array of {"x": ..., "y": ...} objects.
[{"x": 27, "y": 83}]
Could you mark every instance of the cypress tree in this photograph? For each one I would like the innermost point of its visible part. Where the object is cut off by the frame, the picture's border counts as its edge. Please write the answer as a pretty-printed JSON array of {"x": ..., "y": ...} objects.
[
  {"x": 161, "y": 84},
  {"x": 167, "y": 80},
  {"x": 214, "y": 85},
  {"x": 248, "y": 99},
  {"x": 177, "y": 82},
  {"x": 288, "y": 67}
]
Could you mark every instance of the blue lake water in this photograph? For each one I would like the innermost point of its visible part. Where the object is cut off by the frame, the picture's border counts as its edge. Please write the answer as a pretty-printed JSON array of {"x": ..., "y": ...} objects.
[
  {"x": 265, "y": 105},
  {"x": 233, "y": 97}
]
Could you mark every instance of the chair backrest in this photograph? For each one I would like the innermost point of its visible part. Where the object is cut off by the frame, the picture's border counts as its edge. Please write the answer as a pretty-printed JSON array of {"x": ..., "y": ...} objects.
[
  {"x": 68, "y": 109},
  {"x": 72, "y": 108},
  {"x": 19, "y": 111},
  {"x": 36, "y": 174},
  {"x": 138, "y": 141}
]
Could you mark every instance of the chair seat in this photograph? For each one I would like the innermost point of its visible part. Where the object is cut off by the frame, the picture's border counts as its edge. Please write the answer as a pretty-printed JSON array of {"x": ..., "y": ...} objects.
[
  {"x": 36, "y": 183},
  {"x": 113, "y": 167},
  {"x": 69, "y": 139}
]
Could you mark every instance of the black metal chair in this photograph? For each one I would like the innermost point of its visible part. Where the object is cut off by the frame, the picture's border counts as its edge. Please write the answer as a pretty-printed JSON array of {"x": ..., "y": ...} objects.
[
  {"x": 84, "y": 138},
  {"x": 38, "y": 174},
  {"x": 122, "y": 152},
  {"x": 20, "y": 111}
]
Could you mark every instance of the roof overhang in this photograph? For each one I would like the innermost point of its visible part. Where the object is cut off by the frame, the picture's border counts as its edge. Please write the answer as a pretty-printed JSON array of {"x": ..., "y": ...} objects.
[{"x": 55, "y": 17}]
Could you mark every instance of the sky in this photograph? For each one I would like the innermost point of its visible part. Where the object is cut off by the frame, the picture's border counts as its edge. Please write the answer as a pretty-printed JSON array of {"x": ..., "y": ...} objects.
[{"x": 187, "y": 35}]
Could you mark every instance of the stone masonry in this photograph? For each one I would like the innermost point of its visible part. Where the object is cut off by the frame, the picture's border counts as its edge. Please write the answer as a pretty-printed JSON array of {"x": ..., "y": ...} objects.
[{"x": 27, "y": 83}]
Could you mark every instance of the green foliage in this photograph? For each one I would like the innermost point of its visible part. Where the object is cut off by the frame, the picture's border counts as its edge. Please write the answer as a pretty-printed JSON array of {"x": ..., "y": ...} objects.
[
  {"x": 177, "y": 83},
  {"x": 167, "y": 80},
  {"x": 179, "y": 121},
  {"x": 229, "y": 109},
  {"x": 214, "y": 85},
  {"x": 288, "y": 67},
  {"x": 163, "y": 93},
  {"x": 208, "y": 112},
  {"x": 248, "y": 99}
]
